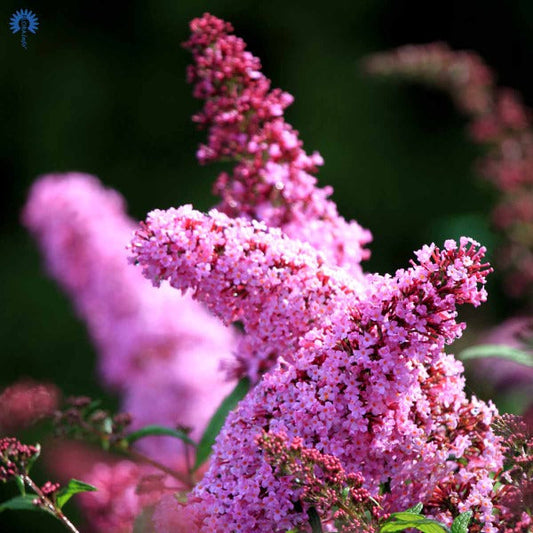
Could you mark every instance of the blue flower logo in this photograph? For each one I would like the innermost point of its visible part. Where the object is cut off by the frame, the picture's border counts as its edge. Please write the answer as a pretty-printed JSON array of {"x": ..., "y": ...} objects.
[{"x": 23, "y": 20}]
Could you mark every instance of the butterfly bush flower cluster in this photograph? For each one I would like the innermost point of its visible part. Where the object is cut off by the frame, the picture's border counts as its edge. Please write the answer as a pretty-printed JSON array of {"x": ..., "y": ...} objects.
[
  {"x": 501, "y": 123},
  {"x": 273, "y": 178},
  {"x": 361, "y": 373},
  {"x": 168, "y": 342},
  {"x": 366, "y": 380},
  {"x": 355, "y": 411}
]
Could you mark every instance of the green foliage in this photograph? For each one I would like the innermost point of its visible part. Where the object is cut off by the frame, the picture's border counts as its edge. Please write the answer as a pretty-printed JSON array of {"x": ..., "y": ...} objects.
[
  {"x": 217, "y": 421},
  {"x": 74, "y": 487},
  {"x": 460, "y": 524},
  {"x": 497, "y": 350},
  {"x": 406, "y": 520},
  {"x": 413, "y": 519},
  {"x": 417, "y": 509},
  {"x": 20, "y": 503}
]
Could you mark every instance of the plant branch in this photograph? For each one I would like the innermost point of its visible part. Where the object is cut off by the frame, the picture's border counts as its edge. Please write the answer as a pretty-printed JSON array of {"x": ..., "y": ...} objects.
[{"x": 49, "y": 504}]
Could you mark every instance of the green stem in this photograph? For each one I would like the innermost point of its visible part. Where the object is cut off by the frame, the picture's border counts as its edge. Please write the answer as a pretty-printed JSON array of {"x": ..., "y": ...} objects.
[
  {"x": 134, "y": 454},
  {"x": 49, "y": 505}
]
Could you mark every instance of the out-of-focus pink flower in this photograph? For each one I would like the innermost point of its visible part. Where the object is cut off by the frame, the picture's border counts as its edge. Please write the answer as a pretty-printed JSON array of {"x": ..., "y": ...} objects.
[
  {"x": 501, "y": 122},
  {"x": 361, "y": 371},
  {"x": 26, "y": 402},
  {"x": 125, "y": 488},
  {"x": 170, "y": 517},
  {"x": 155, "y": 347},
  {"x": 120, "y": 497},
  {"x": 161, "y": 351},
  {"x": 273, "y": 177}
]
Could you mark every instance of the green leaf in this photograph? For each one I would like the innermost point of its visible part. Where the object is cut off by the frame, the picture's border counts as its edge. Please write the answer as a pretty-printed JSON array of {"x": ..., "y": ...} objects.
[
  {"x": 33, "y": 458},
  {"x": 20, "y": 485},
  {"x": 405, "y": 520},
  {"x": 20, "y": 503},
  {"x": 156, "y": 431},
  {"x": 460, "y": 524},
  {"x": 417, "y": 509},
  {"x": 217, "y": 421},
  {"x": 497, "y": 350},
  {"x": 74, "y": 487},
  {"x": 314, "y": 520}
]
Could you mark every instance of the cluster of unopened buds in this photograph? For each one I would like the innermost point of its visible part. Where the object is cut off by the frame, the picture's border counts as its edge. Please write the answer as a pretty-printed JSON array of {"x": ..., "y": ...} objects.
[
  {"x": 15, "y": 457},
  {"x": 338, "y": 496},
  {"x": 83, "y": 419}
]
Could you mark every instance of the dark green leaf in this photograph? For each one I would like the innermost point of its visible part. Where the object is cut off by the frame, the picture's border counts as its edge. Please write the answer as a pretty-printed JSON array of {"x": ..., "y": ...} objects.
[
  {"x": 314, "y": 520},
  {"x": 460, "y": 524},
  {"x": 217, "y": 421},
  {"x": 20, "y": 503},
  {"x": 155, "y": 431},
  {"x": 497, "y": 350},
  {"x": 74, "y": 487}
]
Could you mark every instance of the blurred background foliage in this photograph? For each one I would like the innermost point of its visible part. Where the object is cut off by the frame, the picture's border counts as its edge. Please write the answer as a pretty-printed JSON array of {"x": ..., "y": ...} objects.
[{"x": 101, "y": 89}]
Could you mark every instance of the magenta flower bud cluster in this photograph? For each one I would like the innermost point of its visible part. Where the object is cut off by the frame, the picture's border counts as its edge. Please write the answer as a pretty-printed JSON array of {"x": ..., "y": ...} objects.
[
  {"x": 324, "y": 483},
  {"x": 273, "y": 178},
  {"x": 15, "y": 457}
]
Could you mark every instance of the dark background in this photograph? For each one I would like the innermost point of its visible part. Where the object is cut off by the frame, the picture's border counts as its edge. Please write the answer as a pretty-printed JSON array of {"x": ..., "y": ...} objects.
[{"x": 101, "y": 89}]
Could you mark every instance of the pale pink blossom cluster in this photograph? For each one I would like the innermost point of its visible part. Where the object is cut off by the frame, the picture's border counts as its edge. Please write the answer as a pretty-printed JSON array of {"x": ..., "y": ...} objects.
[
  {"x": 159, "y": 350},
  {"x": 501, "y": 122},
  {"x": 361, "y": 373},
  {"x": 273, "y": 178}
]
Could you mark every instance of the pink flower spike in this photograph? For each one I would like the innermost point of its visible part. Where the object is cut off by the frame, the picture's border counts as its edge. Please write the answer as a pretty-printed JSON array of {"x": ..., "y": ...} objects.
[
  {"x": 242, "y": 271},
  {"x": 273, "y": 177}
]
